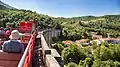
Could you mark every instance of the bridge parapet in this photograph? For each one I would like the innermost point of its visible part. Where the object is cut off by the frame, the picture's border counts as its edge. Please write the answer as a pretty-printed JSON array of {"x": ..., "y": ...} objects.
[
  {"x": 51, "y": 61},
  {"x": 49, "y": 55}
]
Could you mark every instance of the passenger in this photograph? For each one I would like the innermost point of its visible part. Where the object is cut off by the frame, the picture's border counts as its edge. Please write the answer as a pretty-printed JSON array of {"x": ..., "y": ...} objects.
[
  {"x": 0, "y": 44},
  {"x": 2, "y": 30},
  {"x": 13, "y": 45},
  {"x": 7, "y": 28},
  {"x": 8, "y": 32},
  {"x": 3, "y": 34}
]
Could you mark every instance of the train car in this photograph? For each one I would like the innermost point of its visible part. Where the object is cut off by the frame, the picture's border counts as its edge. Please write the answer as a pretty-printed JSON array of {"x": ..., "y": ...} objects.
[{"x": 13, "y": 59}]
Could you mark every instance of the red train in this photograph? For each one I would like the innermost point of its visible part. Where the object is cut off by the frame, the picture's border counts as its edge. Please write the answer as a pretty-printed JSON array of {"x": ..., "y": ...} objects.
[
  {"x": 25, "y": 59},
  {"x": 27, "y": 26}
]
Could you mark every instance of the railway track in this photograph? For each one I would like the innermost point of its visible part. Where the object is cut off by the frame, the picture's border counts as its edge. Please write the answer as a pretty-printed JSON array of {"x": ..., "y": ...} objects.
[{"x": 37, "y": 55}]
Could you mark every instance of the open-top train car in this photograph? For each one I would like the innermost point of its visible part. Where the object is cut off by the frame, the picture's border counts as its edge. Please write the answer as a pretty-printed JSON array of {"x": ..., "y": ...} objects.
[{"x": 21, "y": 59}]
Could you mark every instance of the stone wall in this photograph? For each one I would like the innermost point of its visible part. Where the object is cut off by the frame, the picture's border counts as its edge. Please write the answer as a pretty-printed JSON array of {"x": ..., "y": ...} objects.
[{"x": 48, "y": 53}]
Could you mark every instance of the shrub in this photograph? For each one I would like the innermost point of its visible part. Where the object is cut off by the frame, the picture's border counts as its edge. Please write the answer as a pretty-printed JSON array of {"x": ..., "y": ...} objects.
[
  {"x": 55, "y": 39},
  {"x": 94, "y": 45},
  {"x": 86, "y": 63},
  {"x": 88, "y": 51},
  {"x": 71, "y": 64},
  {"x": 97, "y": 63},
  {"x": 109, "y": 63},
  {"x": 117, "y": 64},
  {"x": 59, "y": 47}
]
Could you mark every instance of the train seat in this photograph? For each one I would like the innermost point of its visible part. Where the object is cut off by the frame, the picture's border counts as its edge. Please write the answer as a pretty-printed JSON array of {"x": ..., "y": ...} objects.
[{"x": 9, "y": 59}]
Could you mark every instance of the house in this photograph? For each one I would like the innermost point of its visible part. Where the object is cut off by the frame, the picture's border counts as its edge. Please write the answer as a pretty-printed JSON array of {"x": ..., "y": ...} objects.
[
  {"x": 68, "y": 42},
  {"x": 112, "y": 40},
  {"x": 83, "y": 42},
  {"x": 94, "y": 36},
  {"x": 78, "y": 44},
  {"x": 98, "y": 41}
]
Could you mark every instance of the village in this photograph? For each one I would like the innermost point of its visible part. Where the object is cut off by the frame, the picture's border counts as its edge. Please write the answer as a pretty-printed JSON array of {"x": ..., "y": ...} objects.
[{"x": 95, "y": 38}]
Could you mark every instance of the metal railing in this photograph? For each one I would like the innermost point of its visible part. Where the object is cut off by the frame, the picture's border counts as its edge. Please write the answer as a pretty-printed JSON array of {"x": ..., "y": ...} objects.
[
  {"x": 22, "y": 61},
  {"x": 46, "y": 51}
]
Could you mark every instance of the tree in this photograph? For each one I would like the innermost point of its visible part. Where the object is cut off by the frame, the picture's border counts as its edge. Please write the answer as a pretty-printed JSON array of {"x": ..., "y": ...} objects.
[
  {"x": 71, "y": 64},
  {"x": 73, "y": 53},
  {"x": 115, "y": 51},
  {"x": 103, "y": 53},
  {"x": 86, "y": 63},
  {"x": 108, "y": 63}
]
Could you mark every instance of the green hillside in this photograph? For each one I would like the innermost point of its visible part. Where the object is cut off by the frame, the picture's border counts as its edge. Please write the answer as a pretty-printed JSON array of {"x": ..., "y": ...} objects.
[
  {"x": 81, "y": 27},
  {"x": 15, "y": 16},
  {"x": 72, "y": 28}
]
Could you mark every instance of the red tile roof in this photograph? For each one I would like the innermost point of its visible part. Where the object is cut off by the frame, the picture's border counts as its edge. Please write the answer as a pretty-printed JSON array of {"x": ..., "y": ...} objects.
[
  {"x": 82, "y": 41},
  {"x": 68, "y": 42}
]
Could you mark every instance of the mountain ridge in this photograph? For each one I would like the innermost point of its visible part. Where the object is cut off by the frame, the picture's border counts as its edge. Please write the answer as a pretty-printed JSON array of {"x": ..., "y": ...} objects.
[{"x": 5, "y": 6}]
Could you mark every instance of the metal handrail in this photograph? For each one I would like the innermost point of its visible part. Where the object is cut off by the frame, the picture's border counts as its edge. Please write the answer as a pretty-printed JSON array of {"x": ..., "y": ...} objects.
[{"x": 25, "y": 53}]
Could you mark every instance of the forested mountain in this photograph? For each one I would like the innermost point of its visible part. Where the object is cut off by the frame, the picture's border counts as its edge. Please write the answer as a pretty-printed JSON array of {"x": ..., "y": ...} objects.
[
  {"x": 5, "y": 6},
  {"x": 81, "y": 27},
  {"x": 72, "y": 28},
  {"x": 15, "y": 16}
]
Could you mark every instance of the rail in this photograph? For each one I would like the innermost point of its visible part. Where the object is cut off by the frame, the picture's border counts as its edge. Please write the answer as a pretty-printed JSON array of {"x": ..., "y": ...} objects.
[
  {"x": 27, "y": 55},
  {"x": 48, "y": 58}
]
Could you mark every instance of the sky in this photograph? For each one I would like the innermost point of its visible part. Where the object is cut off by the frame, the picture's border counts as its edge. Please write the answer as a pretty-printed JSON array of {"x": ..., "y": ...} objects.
[{"x": 68, "y": 8}]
